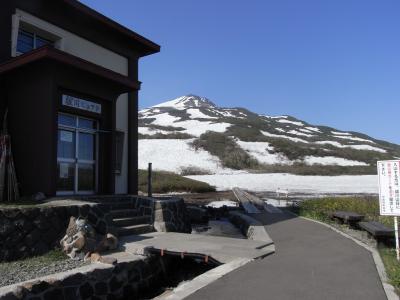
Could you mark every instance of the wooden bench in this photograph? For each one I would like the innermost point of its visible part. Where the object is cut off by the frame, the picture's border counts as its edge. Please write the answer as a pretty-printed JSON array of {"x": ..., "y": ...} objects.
[
  {"x": 379, "y": 231},
  {"x": 347, "y": 217}
]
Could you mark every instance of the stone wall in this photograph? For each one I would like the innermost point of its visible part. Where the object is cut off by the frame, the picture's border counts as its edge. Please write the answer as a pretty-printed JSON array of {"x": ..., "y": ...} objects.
[
  {"x": 170, "y": 215},
  {"x": 34, "y": 231},
  {"x": 26, "y": 232},
  {"x": 126, "y": 280}
]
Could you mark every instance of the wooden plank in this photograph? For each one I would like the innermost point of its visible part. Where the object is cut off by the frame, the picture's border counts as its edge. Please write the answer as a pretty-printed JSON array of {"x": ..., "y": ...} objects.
[
  {"x": 245, "y": 201},
  {"x": 377, "y": 229},
  {"x": 348, "y": 216}
]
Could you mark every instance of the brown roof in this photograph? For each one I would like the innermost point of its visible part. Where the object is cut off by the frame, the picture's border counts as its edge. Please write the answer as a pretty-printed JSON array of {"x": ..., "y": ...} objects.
[
  {"x": 150, "y": 46},
  {"x": 48, "y": 52}
]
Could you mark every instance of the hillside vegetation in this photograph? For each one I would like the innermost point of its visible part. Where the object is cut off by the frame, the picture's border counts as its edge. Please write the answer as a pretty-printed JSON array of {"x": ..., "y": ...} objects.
[{"x": 166, "y": 182}]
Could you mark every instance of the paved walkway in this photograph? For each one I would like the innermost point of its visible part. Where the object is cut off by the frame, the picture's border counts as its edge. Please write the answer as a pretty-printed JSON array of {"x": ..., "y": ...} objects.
[{"x": 311, "y": 262}]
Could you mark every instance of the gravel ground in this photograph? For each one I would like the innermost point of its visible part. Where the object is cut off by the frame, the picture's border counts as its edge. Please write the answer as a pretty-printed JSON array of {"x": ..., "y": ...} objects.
[{"x": 23, "y": 270}]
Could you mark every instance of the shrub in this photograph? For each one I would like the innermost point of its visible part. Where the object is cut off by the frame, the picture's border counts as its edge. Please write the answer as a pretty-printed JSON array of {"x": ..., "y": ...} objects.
[
  {"x": 300, "y": 168},
  {"x": 172, "y": 135},
  {"x": 228, "y": 151},
  {"x": 192, "y": 170}
]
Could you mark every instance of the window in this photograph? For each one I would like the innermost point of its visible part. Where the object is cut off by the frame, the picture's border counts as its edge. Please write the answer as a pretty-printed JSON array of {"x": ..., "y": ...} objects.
[{"x": 28, "y": 41}]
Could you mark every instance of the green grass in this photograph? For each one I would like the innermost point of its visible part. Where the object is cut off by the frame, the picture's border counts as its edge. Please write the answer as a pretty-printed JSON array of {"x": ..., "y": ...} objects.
[
  {"x": 164, "y": 182},
  {"x": 34, "y": 262},
  {"x": 321, "y": 208},
  {"x": 392, "y": 266}
]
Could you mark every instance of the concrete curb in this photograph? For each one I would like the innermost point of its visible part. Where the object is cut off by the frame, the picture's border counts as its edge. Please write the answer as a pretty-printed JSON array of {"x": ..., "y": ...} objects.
[
  {"x": 387, "y": 287},
  {"x": 250, "y": 227}
]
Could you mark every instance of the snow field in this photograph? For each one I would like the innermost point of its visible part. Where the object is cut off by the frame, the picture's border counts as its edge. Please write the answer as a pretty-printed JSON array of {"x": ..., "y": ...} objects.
[
  {"x": 173, "y": 155},
  {"x": 294, "y": 183}
]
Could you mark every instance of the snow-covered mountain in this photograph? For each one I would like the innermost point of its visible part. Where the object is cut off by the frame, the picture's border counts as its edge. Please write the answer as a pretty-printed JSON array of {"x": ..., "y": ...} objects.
[{"x": 191, "y": 133}]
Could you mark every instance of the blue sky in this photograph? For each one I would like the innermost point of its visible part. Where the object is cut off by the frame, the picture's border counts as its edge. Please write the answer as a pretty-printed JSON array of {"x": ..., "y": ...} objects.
[{"x": 327, "y": 62}]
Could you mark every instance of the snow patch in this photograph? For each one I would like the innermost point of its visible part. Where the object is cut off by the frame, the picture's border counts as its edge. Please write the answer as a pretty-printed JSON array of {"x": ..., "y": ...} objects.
[
  {"x": 164, "y": 119},
  {"x": 315, "y": 129},
  {"x": 195, "y": 113},
  {"x": 354, "y": 139},
  {"x": 284, "y": 137},
  {"x": 259, "y": 150},
  {"x": 295, "y": 132},
  {"x": 291, "y": 122},
  {"x": 340, "y": 133},
  {"x": 173, "y": 155},
  {"x": 197, "y": 128},
  {"x": 367, "y": 147},
  {"x": 332, "y": 160},
  {"x": 295, "y": 183},
  {"x": 358, "y": 147},
  {"x": 152, "y": 131},
  {"x": 219, "y": 204}
]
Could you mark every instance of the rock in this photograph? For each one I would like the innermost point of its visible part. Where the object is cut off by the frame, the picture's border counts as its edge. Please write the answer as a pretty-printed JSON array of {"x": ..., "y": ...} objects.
[
  {"x": 74, "y": 280},
  {"x": 86, "y": 291},
  {"x": 71, "y": 293},
  {"x": 108, "y": 260},
  {"x": 31, "y": 213},
  {"x": 53, "y": 294},
  {"x": 6, "y": 227},
  {"x": 33, "y": 237},
  {"x": 23, "y": 225},
  {"x": 115, "y": 284},
  {"x": 101, "y": 288},
  {"x": 12, "y": 213}
]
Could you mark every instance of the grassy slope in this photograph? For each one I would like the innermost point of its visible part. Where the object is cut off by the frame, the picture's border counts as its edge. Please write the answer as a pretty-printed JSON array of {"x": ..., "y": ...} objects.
[
  {"x": 319, "y": 209},
  {"x": 164, "y": 182}
]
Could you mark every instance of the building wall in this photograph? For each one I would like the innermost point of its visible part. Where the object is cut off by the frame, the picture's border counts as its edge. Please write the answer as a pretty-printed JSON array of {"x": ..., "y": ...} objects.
[
  {"x": 121, "y": 180},
  {"x": 80, "y": 47},
  {"x": 74, "y": 44}
]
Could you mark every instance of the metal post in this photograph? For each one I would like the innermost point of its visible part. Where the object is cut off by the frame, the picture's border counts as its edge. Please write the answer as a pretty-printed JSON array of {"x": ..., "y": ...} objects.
[
  {"x": 149, "y": 181},
  {"x": 396, "y": 231}
]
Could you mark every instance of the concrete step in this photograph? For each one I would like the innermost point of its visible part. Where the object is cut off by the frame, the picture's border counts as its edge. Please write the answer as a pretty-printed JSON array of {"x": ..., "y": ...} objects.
[
  {"x": 135, "y": 229},
  {"x": 124, "y": 213},
  {"x": 132, "y": 221}
]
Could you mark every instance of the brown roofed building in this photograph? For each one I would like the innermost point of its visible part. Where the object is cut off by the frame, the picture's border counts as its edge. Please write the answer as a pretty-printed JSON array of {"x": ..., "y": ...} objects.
[{"x": 69, "y": 81}]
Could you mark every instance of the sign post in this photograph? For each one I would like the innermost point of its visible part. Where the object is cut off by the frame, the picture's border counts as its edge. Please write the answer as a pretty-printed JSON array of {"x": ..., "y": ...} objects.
[
  {"x": 396, "y": 232},
  {"x": 389, "y": 193}
]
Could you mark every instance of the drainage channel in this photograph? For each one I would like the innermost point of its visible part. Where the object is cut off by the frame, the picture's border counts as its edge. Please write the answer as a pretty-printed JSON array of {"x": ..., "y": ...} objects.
[
  {"x": 182, "y": 267},
  {"x": 179, "y": 269}
]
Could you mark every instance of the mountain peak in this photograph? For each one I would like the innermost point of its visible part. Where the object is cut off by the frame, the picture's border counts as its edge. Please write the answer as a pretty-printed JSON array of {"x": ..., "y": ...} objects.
[{"x": 188, "y": 101}]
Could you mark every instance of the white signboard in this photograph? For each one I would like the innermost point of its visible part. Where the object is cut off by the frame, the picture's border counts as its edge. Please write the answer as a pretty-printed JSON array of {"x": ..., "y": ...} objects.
[
  {"x": 81, "y": 104},
  {"x": 389, "y": 187}
]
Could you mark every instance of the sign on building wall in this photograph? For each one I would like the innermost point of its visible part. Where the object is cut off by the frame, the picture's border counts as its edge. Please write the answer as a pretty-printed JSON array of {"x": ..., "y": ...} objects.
[
  {"x": 389, "y": 187},
  {"x": 81, "y": 104}
]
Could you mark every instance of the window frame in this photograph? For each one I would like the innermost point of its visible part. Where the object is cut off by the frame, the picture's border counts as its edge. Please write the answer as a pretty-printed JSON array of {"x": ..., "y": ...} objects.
[{"x": 35, "y": 37}]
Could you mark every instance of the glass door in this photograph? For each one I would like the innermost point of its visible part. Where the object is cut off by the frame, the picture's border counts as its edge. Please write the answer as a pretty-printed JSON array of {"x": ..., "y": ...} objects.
[{"x": 76, "y": 155}]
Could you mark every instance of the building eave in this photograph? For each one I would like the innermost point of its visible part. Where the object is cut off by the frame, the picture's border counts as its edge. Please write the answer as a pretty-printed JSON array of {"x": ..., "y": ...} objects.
[{"x": 62, "y": 57}]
